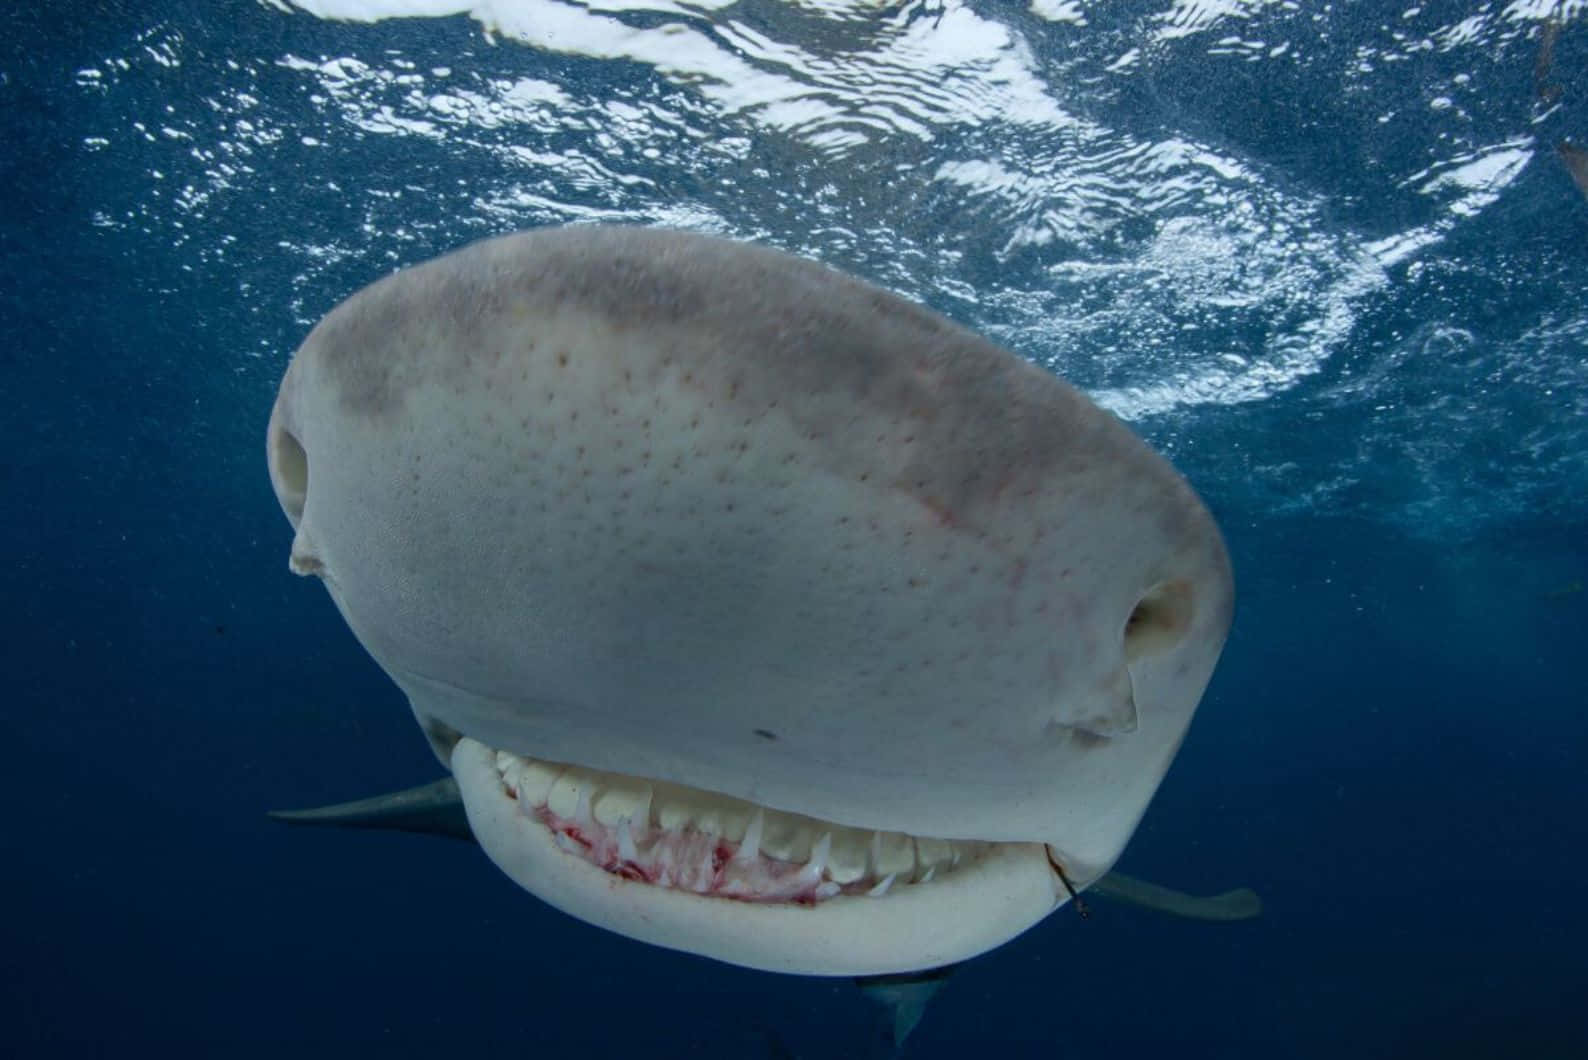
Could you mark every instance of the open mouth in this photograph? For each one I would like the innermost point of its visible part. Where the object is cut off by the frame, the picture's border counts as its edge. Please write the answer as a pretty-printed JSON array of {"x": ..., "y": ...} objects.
[
  {"x": 691, "y": 840},
  {"x": 725, "y": 878}
]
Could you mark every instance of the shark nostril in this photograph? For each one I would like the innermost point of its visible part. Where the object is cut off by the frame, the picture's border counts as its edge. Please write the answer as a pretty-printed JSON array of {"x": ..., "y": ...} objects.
[{"x": 1158, "y": 621}]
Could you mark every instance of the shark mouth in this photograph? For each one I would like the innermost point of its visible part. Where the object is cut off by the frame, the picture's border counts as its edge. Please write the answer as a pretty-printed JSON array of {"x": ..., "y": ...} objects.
[
  {"x": 692, "y": 840},
  {"x": 697, "y": 871}
]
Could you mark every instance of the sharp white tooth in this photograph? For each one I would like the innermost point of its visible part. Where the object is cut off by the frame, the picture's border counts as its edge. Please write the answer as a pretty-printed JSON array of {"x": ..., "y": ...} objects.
[
  {"x": 582, "y": 812},
  {"x": 932, "y": 852},
  {"x": 626, "y": 848},
  {"x": 642, "y": 812},
  {"x": 826, "y": 889},
  {"x": 894, "y": 852},
  {"x": 531, "y": 780},
  {"x": 812, "y": 872},
  {"x": 524, "y": 806},
  {"x": 846, "y": 862},
  {"x": 876, "y": 851},
  {"x": 750, "y": 846},
  {"x": 882, "y": 888},
  {"x": 929, "y": 874}
]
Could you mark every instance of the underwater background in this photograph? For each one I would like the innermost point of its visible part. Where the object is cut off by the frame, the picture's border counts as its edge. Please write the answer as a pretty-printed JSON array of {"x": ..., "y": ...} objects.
[{"x": 1332, "y": 260}]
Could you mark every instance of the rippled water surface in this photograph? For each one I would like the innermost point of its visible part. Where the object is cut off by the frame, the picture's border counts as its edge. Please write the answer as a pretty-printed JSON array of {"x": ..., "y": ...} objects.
[
  {"x": 1332, "y": 259},
  {"x": 1193, "y": 211}
]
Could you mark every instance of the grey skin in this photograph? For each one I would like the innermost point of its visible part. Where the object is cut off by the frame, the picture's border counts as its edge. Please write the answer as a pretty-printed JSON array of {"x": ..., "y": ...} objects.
[{"x": 437, "y": 809}]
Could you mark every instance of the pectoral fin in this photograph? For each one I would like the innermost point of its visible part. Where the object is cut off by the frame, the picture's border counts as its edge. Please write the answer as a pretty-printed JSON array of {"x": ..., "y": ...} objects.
[{"x": 1239, "y": 904}]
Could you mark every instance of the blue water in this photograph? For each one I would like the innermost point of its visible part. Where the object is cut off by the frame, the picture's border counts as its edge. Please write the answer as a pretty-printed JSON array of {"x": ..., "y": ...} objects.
[{"x": 1332, "y": 265}]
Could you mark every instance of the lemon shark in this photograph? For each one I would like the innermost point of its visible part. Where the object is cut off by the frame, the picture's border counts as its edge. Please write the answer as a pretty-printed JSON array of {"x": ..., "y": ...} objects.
[{"x": 756, "y": 611}]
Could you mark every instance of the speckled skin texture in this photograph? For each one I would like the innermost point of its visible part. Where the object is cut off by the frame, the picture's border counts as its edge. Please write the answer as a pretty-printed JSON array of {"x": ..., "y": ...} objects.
[
  {"x": 948, "y": 418},
  {"x": 675, "y": 506}
]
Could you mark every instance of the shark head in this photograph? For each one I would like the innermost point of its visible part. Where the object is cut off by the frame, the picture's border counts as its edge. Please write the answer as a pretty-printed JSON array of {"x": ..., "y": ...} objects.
[{"x": 758, "y": 612}]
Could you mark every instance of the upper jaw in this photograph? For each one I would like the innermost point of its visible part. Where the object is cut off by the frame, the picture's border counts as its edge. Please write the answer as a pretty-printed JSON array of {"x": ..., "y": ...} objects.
[{"x": 939, "y": 813}]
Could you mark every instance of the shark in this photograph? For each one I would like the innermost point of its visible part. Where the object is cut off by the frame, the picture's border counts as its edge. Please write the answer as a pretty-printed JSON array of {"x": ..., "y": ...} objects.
[{"x": 755, "y": 611}]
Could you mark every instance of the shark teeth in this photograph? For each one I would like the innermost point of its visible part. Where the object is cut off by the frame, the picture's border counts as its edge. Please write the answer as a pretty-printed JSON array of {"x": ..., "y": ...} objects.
[
  {"x": 811, "y": 874},
  {"x": 626, "y": 847},
  {"x": 672, "y": 836},
  {"x": 750, "y": 845}
]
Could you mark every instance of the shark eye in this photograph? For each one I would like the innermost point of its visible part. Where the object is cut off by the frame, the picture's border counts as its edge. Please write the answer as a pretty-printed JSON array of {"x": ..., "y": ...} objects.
[
  {"x": 1158, "y": 621},
  {"x": 289, "y": 472}
]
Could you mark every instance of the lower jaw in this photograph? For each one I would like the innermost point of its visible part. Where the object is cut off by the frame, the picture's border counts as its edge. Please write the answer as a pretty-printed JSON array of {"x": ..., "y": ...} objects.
[{"x": 952, "y": 903}]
